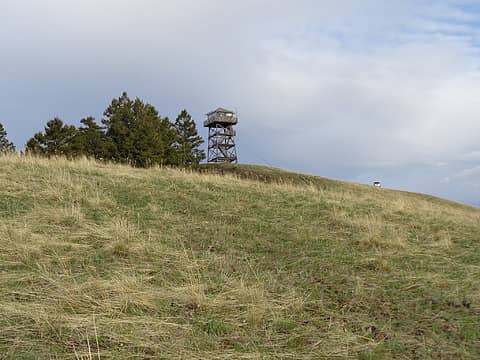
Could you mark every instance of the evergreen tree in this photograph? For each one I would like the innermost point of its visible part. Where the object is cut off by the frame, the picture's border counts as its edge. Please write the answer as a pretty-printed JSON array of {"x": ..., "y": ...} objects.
[
  {"x": 92, "y": 139},
  {"x": 137, "y": 133},
  {"x": 188, "y": 141},
  {"x": 5, "y": 145},
  {"x": 170, "y": 138},
  {"x": 58, "y": 139}
]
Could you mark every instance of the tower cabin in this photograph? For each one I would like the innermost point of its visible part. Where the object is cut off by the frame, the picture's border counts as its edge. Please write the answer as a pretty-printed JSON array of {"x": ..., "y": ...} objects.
[{"x": 221, "y": 136}]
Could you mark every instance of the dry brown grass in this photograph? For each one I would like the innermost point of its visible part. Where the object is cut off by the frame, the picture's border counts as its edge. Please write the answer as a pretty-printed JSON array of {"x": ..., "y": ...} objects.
[{"x": 178, "y": 264}]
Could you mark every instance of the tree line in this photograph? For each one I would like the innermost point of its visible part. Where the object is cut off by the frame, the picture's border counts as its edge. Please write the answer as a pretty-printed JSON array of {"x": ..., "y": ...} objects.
[{"x": 131, "y": 131}]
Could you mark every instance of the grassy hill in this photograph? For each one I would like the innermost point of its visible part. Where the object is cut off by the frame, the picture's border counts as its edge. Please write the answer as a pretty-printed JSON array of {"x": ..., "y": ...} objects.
[{"x": 110, "y": 262}]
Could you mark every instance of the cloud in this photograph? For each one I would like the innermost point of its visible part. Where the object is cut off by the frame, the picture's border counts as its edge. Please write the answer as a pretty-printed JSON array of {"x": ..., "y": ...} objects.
[{"x": 352, "y": 89}]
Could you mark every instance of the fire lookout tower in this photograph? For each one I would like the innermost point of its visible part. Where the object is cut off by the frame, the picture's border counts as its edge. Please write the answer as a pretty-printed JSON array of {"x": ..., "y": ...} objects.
[{"x": 221, "y": 136}]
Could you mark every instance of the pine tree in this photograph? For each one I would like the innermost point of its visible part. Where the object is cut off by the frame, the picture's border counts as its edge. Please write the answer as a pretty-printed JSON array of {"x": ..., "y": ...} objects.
[
  {"x": 170, "y": 138},
  {"x": 92, "y": 139},
  {"x": 188, "y": 141},
  {"x": 138, "y": 135},
  {"x": 58, "y": 139},
  {"x": 5, "y": 145},
  {"x": 117, "y": 121}
]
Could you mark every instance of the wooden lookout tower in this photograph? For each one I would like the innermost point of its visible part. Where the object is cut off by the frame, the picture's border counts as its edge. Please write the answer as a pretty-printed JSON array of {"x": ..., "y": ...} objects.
[{"x": 221, "y": 136}]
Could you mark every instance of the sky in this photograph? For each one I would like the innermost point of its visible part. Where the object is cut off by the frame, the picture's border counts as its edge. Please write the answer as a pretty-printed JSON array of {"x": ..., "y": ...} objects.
[{"x": 357, "y": 90}]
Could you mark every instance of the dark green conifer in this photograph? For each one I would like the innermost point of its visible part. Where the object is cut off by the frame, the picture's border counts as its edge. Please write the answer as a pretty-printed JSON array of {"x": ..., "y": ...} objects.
[
  {"x": 137, "y": 133},
  {"x": 58, "y": 139},
  {"x": 92, "y": 139},
  {"x": 188, "y": 141},
  {"x": 5, "y": 144}
]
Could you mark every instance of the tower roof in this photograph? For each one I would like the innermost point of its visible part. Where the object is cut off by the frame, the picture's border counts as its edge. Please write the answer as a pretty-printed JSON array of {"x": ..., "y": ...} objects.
[
  {"x": 222, "y": 117},
  {"x": 220, "y": 110}
]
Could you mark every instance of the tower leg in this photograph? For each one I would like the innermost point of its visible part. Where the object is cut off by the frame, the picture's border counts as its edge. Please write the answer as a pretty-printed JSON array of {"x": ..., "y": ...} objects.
[{"x": 221, "y": 144}]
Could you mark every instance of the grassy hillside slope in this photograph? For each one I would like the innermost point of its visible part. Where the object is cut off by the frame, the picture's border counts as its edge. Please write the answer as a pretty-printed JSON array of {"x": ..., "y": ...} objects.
[{"x": 103, "y": 260}]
